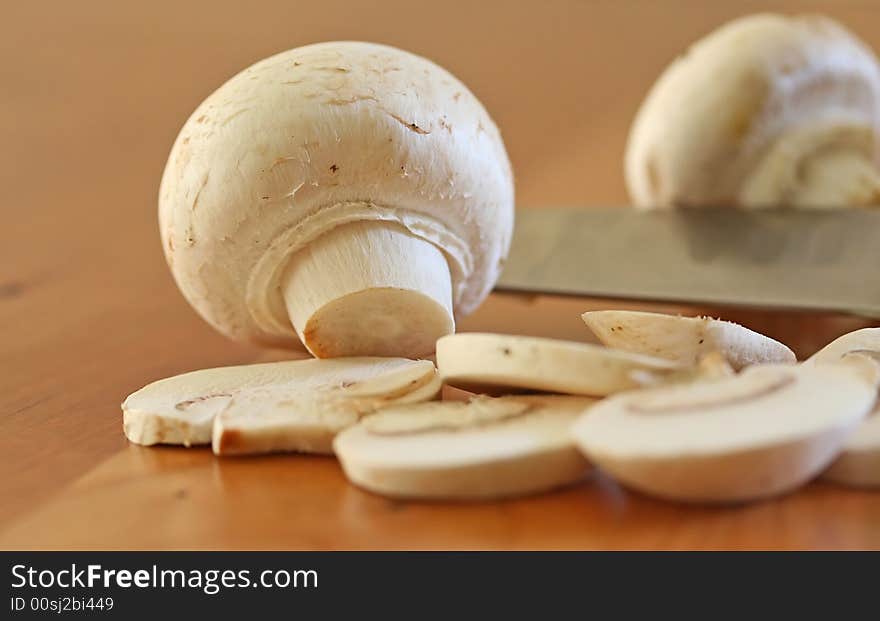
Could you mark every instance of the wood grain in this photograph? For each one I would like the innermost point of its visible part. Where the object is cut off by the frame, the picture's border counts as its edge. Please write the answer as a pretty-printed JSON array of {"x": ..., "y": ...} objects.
[{"x": 94, "y": 93}]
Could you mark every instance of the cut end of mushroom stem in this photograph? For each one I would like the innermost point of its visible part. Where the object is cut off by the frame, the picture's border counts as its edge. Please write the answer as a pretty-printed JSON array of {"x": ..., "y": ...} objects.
[{"x": 369, "y": 289}]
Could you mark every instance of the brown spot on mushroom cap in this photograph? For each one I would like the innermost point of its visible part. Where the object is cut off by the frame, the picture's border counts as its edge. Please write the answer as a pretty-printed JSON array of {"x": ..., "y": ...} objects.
[{"x": 410, "y": 125}]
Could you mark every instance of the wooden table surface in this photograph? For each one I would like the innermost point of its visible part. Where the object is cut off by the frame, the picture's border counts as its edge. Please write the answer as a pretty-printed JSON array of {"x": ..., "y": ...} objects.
[{"x": 93, "y": 94}]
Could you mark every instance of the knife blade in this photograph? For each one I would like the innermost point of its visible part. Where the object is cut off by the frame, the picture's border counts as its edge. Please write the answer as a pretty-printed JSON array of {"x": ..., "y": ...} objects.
[{"x": 773, "y": 259}]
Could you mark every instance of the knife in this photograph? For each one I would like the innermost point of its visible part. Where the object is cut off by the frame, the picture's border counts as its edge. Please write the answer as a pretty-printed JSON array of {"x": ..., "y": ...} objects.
[{"x": 783, "y": 259}]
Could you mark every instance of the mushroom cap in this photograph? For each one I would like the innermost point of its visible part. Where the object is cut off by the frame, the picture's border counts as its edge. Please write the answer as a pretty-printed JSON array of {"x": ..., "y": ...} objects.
[
  {"x": 183, "y": 409},
  {"x": 484, "y": 448},
  {"x": 316, "y": 137},
  {"x": 710, "y": 130},
  {"x": 753, "y": 435}
]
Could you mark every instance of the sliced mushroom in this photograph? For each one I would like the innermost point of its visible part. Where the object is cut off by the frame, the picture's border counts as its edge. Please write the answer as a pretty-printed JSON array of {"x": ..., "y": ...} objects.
[
  {"x": 497, "y": 363},
  {"x": 485, "y": 448},
  {"x": 347, "y": 197},
  {"x": 859, "y": 462},
  {"x": 710, "y": 367},
  {"x": 865, "y": 341},
  {"x": 758, "y": 434},
  {"x": 182, "y": 409},
  {"x": 307, "y": 420},
  {"x": 684, "y": 339},
  {"x": 766, "y": 111}
]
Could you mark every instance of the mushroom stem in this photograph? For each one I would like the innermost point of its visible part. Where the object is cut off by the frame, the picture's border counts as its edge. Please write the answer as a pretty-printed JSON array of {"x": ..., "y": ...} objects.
[
  {"x": 369, "y": 289},
  {"x": 836, "y": 178}
]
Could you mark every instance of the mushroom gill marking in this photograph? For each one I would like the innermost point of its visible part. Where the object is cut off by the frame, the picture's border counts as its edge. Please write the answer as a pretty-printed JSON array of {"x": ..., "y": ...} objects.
[
  {"x": 188, "y": 402},
  {"x": 451, "y": 427},
  {"x": 776, "y": 385},
  {"x": 404, "y": 390},
  {"x": 873, "y": 354}
]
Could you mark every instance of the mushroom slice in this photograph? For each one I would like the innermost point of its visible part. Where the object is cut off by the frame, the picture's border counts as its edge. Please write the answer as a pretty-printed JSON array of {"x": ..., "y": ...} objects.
[
  {"x": 181, "y": 409},
  {"x": 489, "y": 362},
  {"x": 859, "y": 462},
  {"x": 712, "y": 366},
  {"x": 865, "y": 341},
  {"x": 684, "y": 339},
  {"x": 306, "y": 420},
  {"x": 754, "y": 435},
  {"x": 484, "y": 448}
]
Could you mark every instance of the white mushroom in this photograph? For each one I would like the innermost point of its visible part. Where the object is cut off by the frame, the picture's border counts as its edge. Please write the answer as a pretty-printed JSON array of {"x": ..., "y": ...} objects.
[
  {"x": 485, "y": 448},
  {"x": 182, "y": 409},
  {"x": 758, "y": 434},
  {"x": 765, "y": 111},
  {"x": 865, "y": 341},
  {"x": 859, "y": 462},
  {"x": 306, "y": 420},
  {"x": 498, "y": 363},
  {"x": 684, "y": 339},
  {"x": 348, "y": 196},
  {"x": 712, "y": 366}
]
